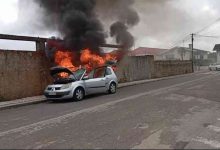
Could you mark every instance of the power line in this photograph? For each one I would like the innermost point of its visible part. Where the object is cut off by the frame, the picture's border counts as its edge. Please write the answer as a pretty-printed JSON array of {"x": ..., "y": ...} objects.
[
  {"x": 208, "y": 26},
  {"x": 186, "y": 38},
  {"x": 196, "y": 33},
  {"x": 207, "y": 36}
]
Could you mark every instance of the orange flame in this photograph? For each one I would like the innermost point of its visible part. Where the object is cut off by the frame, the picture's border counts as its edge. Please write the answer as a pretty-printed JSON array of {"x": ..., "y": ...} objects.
[
  {"x": 94, "y": 60},
  {"x": 64, "y": 59},
  {"x": 88, "y": 60}
]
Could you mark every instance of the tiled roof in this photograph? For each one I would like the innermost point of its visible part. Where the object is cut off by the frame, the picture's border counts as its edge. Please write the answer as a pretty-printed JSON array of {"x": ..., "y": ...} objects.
[
  {"x": 185, "y": 49},
  {"x": 217, "y": 47},
  {"x": 142, "y": 51}
]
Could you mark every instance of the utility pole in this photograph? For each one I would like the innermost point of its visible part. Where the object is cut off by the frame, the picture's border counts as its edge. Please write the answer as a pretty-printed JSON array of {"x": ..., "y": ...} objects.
[{"x": 192, "y": 35}]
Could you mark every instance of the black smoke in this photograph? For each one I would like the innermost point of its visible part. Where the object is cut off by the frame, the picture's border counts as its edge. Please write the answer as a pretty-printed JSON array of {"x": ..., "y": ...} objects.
[
  {"x": 121, "y": 34},
  {"x": 76, "y": 21},
  {"x": 125, "y": 18}
]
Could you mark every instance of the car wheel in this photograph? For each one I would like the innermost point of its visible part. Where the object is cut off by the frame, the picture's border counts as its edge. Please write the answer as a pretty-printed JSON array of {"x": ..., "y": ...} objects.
[
  {"x": 78, "y": 94},
  {"x": 112, "y": 88}
]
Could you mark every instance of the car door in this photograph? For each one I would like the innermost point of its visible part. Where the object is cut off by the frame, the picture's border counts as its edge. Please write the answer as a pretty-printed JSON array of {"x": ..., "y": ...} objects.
[
  {"x": 96, "y": 81},
  {"x": 108, "y": 77}
]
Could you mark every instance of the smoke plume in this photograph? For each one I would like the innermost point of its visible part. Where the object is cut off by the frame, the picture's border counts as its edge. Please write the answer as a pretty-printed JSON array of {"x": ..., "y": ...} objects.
[
  {"x": 80, "y": 26},
  {"x": 162, "y": 22},
  {"x": 125, "y": 17},
  {"x": 123, "y": 37},
  {"x": 76, "y": 21}
]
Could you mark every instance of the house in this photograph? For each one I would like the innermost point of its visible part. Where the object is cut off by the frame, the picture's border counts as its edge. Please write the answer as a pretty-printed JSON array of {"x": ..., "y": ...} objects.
[
  {"x": 200, "y": 57},
  {"x": 143, "y": 51},
  {"x": 212, "y": 57},
  {"x": 217, "y": 49},
  {"x": 183, "y": 53}
]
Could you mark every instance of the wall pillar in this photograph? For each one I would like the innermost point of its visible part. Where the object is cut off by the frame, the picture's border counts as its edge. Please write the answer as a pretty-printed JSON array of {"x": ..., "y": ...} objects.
[
  {"x": 150, "y": 63},
  {"x": 40, "y": 46}
]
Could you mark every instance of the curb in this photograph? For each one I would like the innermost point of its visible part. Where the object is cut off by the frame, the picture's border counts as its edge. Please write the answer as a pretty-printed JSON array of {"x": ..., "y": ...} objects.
[
  {"x": 42, "y": 99},
  {"x": 154, "y": 80},
  {"x": 22, "y": 102}
]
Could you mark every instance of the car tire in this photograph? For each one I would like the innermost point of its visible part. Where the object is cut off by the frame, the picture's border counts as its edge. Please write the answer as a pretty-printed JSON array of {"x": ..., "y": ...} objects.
[
  {"x": 112, "y": 88},
  {"x": 78, "y": 94}
]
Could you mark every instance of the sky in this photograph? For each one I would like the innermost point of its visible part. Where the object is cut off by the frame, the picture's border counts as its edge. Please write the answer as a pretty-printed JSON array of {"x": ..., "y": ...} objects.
[{"x": 163, "y": 23}]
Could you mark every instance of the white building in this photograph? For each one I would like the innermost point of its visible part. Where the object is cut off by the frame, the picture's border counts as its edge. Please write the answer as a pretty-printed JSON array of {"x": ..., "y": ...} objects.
[
  {"x": 183, "y": 53},
  {"x": 217, "y": 49}
]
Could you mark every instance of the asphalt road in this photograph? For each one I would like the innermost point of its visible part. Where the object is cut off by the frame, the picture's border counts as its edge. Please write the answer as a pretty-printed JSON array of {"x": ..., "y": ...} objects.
[{"x": 183, "y": 112}]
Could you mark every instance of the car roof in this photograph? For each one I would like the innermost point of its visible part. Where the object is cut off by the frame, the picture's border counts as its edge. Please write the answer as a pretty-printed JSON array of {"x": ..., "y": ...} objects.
[{"x": 102, "y": 67}]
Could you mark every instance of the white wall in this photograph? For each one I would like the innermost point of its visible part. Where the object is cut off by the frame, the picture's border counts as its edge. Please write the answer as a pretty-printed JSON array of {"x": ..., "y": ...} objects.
[{"x": 218, "y": 56}]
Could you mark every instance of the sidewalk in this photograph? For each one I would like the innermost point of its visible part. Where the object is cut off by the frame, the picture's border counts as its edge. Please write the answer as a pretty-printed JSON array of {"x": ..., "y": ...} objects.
[
  {"x": 22, "y": 102},
  {"x": 41, "y": 99}
]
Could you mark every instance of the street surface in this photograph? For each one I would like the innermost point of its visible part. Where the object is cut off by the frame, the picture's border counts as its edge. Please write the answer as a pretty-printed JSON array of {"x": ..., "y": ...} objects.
[{"x": 183, "y": 112}]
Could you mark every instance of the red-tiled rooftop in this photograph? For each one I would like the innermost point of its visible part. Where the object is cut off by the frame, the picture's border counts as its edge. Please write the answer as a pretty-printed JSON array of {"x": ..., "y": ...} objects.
[{"x": 142, "y": 51}]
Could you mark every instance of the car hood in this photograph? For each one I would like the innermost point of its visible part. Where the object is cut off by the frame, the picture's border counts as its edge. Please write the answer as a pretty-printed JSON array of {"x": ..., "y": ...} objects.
[{"x": 55, "y": 70}]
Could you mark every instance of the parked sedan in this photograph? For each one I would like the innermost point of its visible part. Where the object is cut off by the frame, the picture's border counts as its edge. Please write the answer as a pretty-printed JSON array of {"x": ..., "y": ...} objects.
[
  {"x": 214, "y": 67},
  {"x": 76, "y": 85}
]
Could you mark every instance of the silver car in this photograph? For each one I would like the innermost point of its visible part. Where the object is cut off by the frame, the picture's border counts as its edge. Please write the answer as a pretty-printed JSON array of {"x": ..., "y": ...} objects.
[
  {"x": 76, "y": 85},
  {"x": 214, "y": 67}
]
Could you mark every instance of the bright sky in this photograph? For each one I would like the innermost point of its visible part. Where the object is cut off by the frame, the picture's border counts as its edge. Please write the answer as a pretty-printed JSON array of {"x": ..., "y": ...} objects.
[
  {"x": 163, "y": 22},
  {"x": 8, "y": 11}
]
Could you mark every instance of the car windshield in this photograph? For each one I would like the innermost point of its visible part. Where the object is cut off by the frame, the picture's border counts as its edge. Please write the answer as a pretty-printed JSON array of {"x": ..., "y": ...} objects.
[{"x": 79, "y": 73}]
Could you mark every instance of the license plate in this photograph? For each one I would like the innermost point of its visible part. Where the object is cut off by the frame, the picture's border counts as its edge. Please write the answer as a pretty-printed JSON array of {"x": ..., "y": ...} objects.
[{"x": 52, "y": 93}]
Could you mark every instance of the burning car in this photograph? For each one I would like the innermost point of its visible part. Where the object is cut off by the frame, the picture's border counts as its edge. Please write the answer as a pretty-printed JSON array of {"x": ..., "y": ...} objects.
[{"x": 76, "y": 85}]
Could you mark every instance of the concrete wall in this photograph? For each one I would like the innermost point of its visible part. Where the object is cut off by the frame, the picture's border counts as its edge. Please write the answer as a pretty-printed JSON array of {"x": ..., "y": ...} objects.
[
  {"x": 170, "y": 68},
  {"x": 133, "y": 68},
  {"x": 25, "y": 74},
  {"x": 22, "y": 74}
]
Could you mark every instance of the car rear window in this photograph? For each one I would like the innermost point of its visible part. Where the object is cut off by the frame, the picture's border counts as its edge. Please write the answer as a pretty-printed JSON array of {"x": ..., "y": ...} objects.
[
  {"x": 99, "y": 73},
  {"x": 108, "y": 71}
]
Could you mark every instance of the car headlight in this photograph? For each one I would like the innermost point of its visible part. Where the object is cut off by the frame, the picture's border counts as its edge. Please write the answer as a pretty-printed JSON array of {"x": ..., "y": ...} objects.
[{"x": 66, "y": 86}]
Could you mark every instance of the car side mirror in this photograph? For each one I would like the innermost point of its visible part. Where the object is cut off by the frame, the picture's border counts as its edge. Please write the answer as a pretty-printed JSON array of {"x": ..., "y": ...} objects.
[{"x": 85, "y": 77}]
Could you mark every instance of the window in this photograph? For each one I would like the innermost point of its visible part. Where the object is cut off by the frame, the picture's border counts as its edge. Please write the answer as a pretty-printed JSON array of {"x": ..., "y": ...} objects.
[
  {"x": 91, "y": 74},
  {"x": 79, "y": 73},
  {"x": 108, "y": 71},
  {"x": 99, "y": 73}
]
